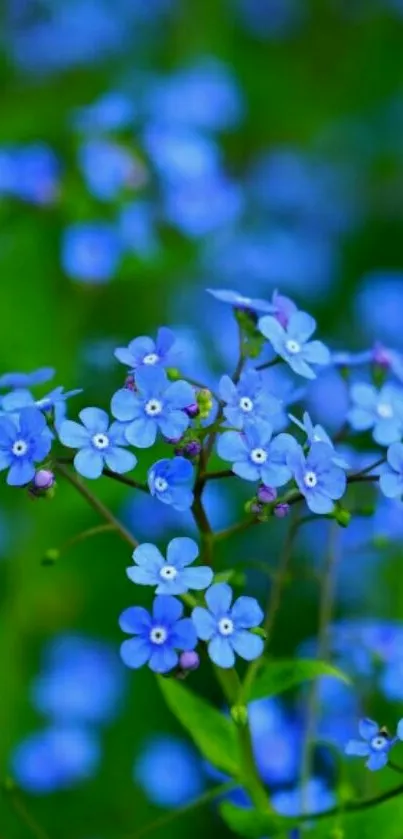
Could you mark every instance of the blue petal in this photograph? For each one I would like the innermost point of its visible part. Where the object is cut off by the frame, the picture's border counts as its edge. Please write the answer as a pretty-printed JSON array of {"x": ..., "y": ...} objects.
[
  {"x": 135, "y": 652},
  {"x": 94, "y": 419},
  {"x": 368, "y": 728},
  {"x": 73, "y": 435},
  {"x": 182, "y": 551},
  {"x": 357, "y": 748},
  {"x": 6, "y": 460},
  {"x": 197, "y": 579},
  {"x": 120, "y": 460},
  {"x": 125, "y": 405},
  {"x": 301, "y": 326},
  {"x": 377, "y": 761},
  {"x": 41, "y": 446},
  {"x": 142, "y": 432},
  {"x": 227, "y": 390},
  {"x": 148, "y": 556},
  {"x": 318, "y": 503},
  {"x": 181, "y": 498},
  {"x": 365, "y": 396},
  {"x": 179, "y": 470},
  {"x": 180, "y": 395},
  {"x": 231, "y": 446},
  {"x": 395, "y": 457},
  {"x": 168, "y": 610},
  {"x": 219, "y": 598},
  {"x": 135, "y": 620},
  {"x": 247, "y": 471},
  {"x": 300, "y": 366},
  {"x": 247, "y": 645},
  {"x": 144, "y": 577},
  {"x": 163, "y": 659},
  {"x": 274, "y": 332},
  {"x": 360, "y": 419},
  {"x": 166, "y": 339},
  {"x": 89, "y": 463},
  {"x": 32, "y": 422},
  {"x": 246, "y": 613},
  {"x": 205, "y": 623},
  {"x": 221, "y": 652},
  {"x": 8, "y": 432},
  {"x": 184, "y": 636},
  {"x": 16, "y": 400},
  {"x": 388, "y": 431},
  {"x": 400, "y": 729},
  {"x": 21, "y": 472},
  {"x": 151, "y": 380},
  {"x": 316, "y": 353},
  {"x": 174, "y": 424}
]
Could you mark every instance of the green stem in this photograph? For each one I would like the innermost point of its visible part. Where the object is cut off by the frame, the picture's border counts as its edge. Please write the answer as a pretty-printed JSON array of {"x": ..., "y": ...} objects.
[
  {"x": 107, "y": 473},
  {"x": 215, "y": 476},
  {"x": 267, "y": 364},
  {"x": 86, "y": 534},
  {"x": 173, "y": 815},
  {"x": 20, "y": 808},
  {"x": 240, "y": 526},
  {"x": 202, "y": 522},
  {"x": 200, "y": 386}
]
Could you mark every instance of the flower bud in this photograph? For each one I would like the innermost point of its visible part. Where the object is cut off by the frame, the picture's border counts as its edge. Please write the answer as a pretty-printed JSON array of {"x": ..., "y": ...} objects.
[
  {"x": 266, "y": 494},
  {"x": 281, "y": 511},
  {"x": 205, "y": 402},
  {"x": 44, "y": 479},
  {"x": 255, "y": 508},
  {"x": 50, "y": 557},
  {"x": 192, "y": 410},
  {"x": 239, "y": 714},
  {"x": 130, "y": 383},
  {"x": 189, "y": 660},
  {"x": 190, "y": 449},
  {"x": 173, "y": 374}
]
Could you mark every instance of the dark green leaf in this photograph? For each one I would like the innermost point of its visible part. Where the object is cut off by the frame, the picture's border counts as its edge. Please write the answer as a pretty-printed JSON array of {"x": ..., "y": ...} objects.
[{"x": 278, "y": 676}]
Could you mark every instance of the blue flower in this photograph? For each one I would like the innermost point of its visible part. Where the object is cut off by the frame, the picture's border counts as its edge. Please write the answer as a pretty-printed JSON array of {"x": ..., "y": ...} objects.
[
  {"x": 239, "y": 301},
  {"x": 158, "y": 636},
  {"x": 108, "y": 168},
  {"x": 169, "y": 772},
  {"x": 56, "y": 758},
  {"x": 98, "y": 444},
  {"x": 156, "y": 405},
  {"x": 319, "y": 480},
  {"x": 54, "y": 401},
  {"x": 202, "y": 205},
  {"x": 255, "y": 456},
  {"x": 317, "y": 434},
  {"x": 24, "y": 441},
  {"x": 170, "y": 575},
  {"x": 247, "y": 403},
  {"x": 293, "y": 344},
  {"x": 381, "y": 410},
  {"x": 143, "y": 351},
  {"x": 226, "y": 628},
  {"x": 17, "y": 380},
  {"x": 391, "y": 480},
  {"x": 112, "y": 112},
  {"x": 376, "y": 743},
  {"x": 91, "y": 252},
  {"x": 316, "y": 798},
  {"x": 169, "y": 480}
]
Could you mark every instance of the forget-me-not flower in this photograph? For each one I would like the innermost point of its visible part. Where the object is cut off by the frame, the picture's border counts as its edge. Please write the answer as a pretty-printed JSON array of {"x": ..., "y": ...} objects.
[
  {"x": 293, "y": 344},
  {"x": 24, "y": 441},
  {"x": 376, "y": 743},
  {"x": 54, "y": 401},
  {"x": 56, "y": 758},
  {"x": 319, "y": 480},
  {"x": 98, "y": 442},
  {"x": 91, "y": 252},
  {"x": 17, "y": 380},
  {"x": 143, "y": 351},
  {"x": 239, "y": 301},
  {"x": 379, "y": 410},
  {"x": 157, "y": 636},
  {"x": 317, "y": 434},
  {"x": 248, "y": 402},
  {"x": 157, "y": 404},
  {"x": 171, "y": 575},
  {"x": 227, "y": 628},
  {"x": 255, "y": 456},
  {"x": 391, "y": 480},
  {"x": 169, "y": 772},
  {"x": 170, "y": 481}
]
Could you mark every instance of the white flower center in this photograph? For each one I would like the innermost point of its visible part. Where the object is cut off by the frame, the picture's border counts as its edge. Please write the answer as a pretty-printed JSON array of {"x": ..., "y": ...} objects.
[
  {"x": 100, "y": 441},
  {"x": 226, "y": 626},
  {"x": 20, "y": 447},
  {"x": 378, "y": 743},
  {"x": 151, "y": 358},
  {"x": 168, "y": 572},
  {"x": 385, "y": 410},
  {"x": 258, "y": 456},
  {"x": 153, "y": 407},
  {"x": 293, "y": 347},
  {"x": 161, "y": 484},
  {"x": 310, "y": 479},
  {"x": 317, "y": 438},
  {"x": 158, "y": 635},
  {"x": 246, "y": 404}
]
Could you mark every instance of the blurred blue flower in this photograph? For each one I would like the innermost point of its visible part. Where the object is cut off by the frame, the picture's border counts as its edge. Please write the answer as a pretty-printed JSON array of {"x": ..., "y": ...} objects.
[
  {"x": 24, "y": 441},
  {"x": 379, "y": 301},
  {"x": 158, "y": 636},
  {"x": 227, "y": 629},
  {"x": 239, "y": 301},
  {"x": 30, "y": 172},
  {"x": 391, "y": 480},
  {"x": 179, "y": 154},
  {"x": 376, "y": 743},
  {"x": 293, "y": 345},
  {"x": 23, "y": 380},
  {"x": 56, "y": 758},
  {"x": 156, "y": 405},
  {"x": 202, "y": 205},
  {"x": 255, "y": 456},
  {"x": 171, "y": 575},
  {"x": 137, "y": 229},
  {"x": 170, "y": 480},
  {"x": 328, "y": 399},
  {"x": 108, "y": 168},
  {"x": 91, "y": 252},
  {"x": 379, "y": 410},
  {"x": 277, "y": 741},
  {"x": 98, "y": 442},
  {"x": 169, "y": 772},
  {"x": 319, "y": 480},
  {"x": 315, "y": 797},
  {"x": 248, "y": 402},
  {"x": 111, "y": 112},
  {"x": 143, "y": 351}
]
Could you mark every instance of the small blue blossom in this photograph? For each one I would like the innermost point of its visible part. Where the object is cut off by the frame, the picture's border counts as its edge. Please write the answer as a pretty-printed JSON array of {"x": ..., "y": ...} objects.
[
  {"x": 391, "y": 480},
  {"x": 227, "y": 629},
  {"x": 169, "y": 772},
  {"x": 293, "y": 344},
  {"x": 56, "y": 758},
  {"x": 99, "y": 444},
  {"x": 376, "y": 743},
  {"x": 379, "y": 410},
  {"x": 143, "y": 351},
  {"x": 157, "y": 404},
  {"x": 319, "y": 480},
  {"x": 23, "y": 380},
  {"x": 316, "y": 798},
  {"x": 255, "y": 456},
  {"x": 317, "y": 434},
  {"x": 24, "y": 441},
  {"x": 54, "y": 401},
  {"x": 158, "y": 636},
  {"x": 112, "y": 112},
  {"x": 91, "y": 252},
  {"x": 108, "y": 168},
  {"x": 171, "y": 575},
  {"x": 248, "y": 403},
  {"x": 170, "y": 481},
  {"x": 239, "y": 301}
]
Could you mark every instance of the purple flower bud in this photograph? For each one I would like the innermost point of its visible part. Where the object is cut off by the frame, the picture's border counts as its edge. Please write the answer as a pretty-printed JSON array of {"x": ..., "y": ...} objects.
[
  {"x": 189, "y": 660},
  {"x": 190, "y": 449},
  {"x": 281, "y": 511},
  {"x": 381, "y": 356},
  {"x": 266, "y": 494},
  {"x": 255, "y": 508},
  {"x": 130, "y": 383},
  {"x": 44, "y": 479},
  {"x": 173, "y": 441},
  {"x": 192, "y": 410}
]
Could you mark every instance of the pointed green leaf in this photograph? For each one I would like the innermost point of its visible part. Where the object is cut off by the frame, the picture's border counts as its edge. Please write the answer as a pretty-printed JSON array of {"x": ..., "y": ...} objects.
[{"x": 278, "y": 676}]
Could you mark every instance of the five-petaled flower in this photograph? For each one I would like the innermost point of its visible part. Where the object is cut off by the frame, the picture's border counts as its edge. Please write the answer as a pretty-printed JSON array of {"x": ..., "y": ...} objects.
[
  {"x": 98, "y": 442},
  {"x": 292, "y": 343},
  {"x": 156, "y": 404},
  {"x": 54, "y": 402},
  {"x": 24, "y": 441},
  {"x": 227, "y": 629},
  {"x": 317, "y": 434},
  {"x": 170, "y": 481},
  {"x": 255, "y": 456},
  {"x": 317, "y": 476},
  {"x": 144, "y": 351},
  {"x": 157, "y": 636},
  {"x": 171, "y": 575},
  {"x": 247, "y": 403},
  {"x": 391, "y": 479},
  {"x": 381, "y": 410},
  {"x": 376, "y": 743}
]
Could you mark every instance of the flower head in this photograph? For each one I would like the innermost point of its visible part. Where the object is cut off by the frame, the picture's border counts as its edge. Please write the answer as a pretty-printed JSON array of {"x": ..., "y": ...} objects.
[
  {"x": 54, "y": 401},
  {"x": 379, "y": 410},
  {"x": 143, "y": 351},
  {"x": 238, "y": 301},
  {"x": 292, "y": 343},
  {"x": 376, "y": 743},
  {"x": 171, "y": 575},
  {"x": 91, "y": 252},
  {"x": 170, "y": 481},
  {"x": 248, "y": 402},
  {"x": 56, "y": 758},
  {"x": 24, "y": 441},
  {"x": 157, "y": 636},
  {"x": 317, "y": 434},
  {"x": 157, "y": 404},
  {"x": 318, "y": 478},
  {"x": 227, "y": 628},
  {"x": 255, "y": 456},
  {"x": 391, "y": 480},
  {"x": 98, "y": 442},
  {"x": 37, "y": 377}
]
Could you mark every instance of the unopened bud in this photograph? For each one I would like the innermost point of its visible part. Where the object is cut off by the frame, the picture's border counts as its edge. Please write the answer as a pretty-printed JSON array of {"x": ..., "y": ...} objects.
[
  {"x": 189, "y": 660},
  {"x": 342, "y": 516},
  {"x": 205, "y": 402},
  {"x": 281, "y": 511},
  {"x": 192, "y": 410},
  {"x": 239, "y": 714},
  {"x": 266, "y": 494},
  {"x": 130, "y": 383},
  {"x": 44, "y": 479},
  {"x": 190, "y": 449},
  {"x": 51, "y": 556}
]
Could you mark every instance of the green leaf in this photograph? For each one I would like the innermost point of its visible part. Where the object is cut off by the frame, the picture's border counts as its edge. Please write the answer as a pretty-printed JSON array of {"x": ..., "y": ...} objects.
[
  {"x": 278, "y": 676},
  {"x": 214, "y": 734},
  {"x": 382, "y": 821},
  {"x": 253, "y": 824}
]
